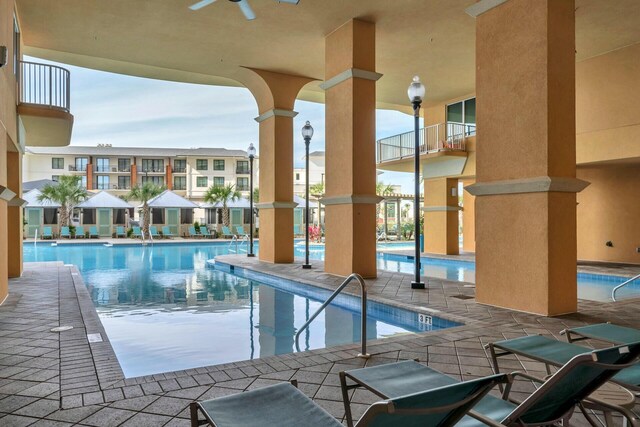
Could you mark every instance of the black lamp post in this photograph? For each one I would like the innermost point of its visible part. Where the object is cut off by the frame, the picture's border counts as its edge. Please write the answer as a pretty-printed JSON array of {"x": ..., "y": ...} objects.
[
  {"x": 307, "y": 133},
  {"x": 251, "y": 151},
  {"x": 416, "y": 92}
]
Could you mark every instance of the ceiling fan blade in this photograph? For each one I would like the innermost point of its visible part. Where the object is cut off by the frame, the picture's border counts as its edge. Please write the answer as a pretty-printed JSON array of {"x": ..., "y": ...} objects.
[
  {"x": 289, "y": 1},
  {"x": 246, "y": 10},
  {"x": 201, "y": 4}
]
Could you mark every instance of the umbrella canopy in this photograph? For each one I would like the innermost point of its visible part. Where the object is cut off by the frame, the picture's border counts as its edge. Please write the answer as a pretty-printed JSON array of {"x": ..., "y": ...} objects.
[
  {"x": 31, "y": 198},
  {"x": 104, "y": 200},
  {"x": 169, "y": 199}
]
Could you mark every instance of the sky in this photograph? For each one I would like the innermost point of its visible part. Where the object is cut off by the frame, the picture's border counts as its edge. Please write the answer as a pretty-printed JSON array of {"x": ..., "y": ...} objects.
[{"x": 128, "y": 111}]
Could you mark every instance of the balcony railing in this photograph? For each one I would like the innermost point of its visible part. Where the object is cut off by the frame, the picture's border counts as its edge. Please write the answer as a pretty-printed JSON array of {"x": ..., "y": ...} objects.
[
  {"x": 180, "y": 170},
  {"x": 111, "y": 187},
  {"x": 77, "y": 169},
  {"x": 44, "y": 85},
  {"x": 432, "y": 139},
  {"x": 242, "y": 170},
  {"x": 150, "y": 170}
]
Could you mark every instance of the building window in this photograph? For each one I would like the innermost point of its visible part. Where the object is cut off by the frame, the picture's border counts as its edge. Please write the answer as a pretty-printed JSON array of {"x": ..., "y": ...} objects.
[
  {"x": 179, "y": 182},
  {"x": 50, "y": 216},
  {"x": 218, "y": 181},
  {"x": 243, "y": 184},
  {"x": 157, "y": 180},
  {"x": 102, "y": 164},
  {"x": 202, "y": 164},
  {"x": 83, "y": 181},
  {"x": 180, "y": 165},
  {"x": 201, "y": 181},
  {"x": 55, "y": 178},
  {"x": 297, "y": 177},
  {"x": 124, "y": 165},
  {"x": 461, "y": 118},
  {"x": 124, "y": 182},
  {"x": 81, "y": 164},
  {"x": 103, "y": 182},
  {"x": 152, "y": 165},
  {"x": 242, "y": 166},
  {"x": 57, "y": 163},
  {"x": 186, "y": 216},
  {"x": 218, "y": 165}
]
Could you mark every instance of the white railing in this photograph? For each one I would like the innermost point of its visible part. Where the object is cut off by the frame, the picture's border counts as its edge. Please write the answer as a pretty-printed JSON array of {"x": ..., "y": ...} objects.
[
  {"x": 432, "y": 139},
  {"x": 44, "y": 85}
]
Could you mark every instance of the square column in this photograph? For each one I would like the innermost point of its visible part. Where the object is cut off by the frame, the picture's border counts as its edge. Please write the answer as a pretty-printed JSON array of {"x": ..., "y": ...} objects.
[
  {"x": 526, "y": 155},
  {"x": 441, "y": 216},
  {"x": 350, "y": 197},
  {"x": 14, "y": 214}
]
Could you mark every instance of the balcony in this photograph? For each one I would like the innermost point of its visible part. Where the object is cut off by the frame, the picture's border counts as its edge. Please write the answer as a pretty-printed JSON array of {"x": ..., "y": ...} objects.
[
  {"x": 180, "y": 170},
  {"x": 444, "y": 143},
  {"x": 151, "y": 170},
  {"x": 44, "y": 104},
  {"x": 243, "y": 170}
]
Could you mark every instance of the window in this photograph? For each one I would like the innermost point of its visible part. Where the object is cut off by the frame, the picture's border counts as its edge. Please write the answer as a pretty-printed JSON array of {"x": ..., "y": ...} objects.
[
  {"x": 124, "y": 165},
  {"x": 180, "y": 165},
  {"x": 461, "y": 118},
  {"x": 152, "y": 165},
  {"x": 55, "y": 178},
  {"x": 88, "y": 216},
  {"x": 102, "y": 164},
  {"x": 246, "y": 216},
  {"x": 83, "y": 182},
  {"x": 119, "y": 216},
  {"x": 81, "y": 164},
  {"x": 157, "y": 180},
  {"x": 201, "y": 181},
  {"x": 157, "y": 215},
  {"x": 57, "y": 163},
  {"x": 103, "y": 182},
  {"x": 186, "y": 216},
  {"x": 50, "y": 216},
  {"x": 242, "y": 166},
  {"x": 179, "y": 182},
  {"x": 124, "y": 182},
  {"x": 16, "y": 46},
  {"x": 243, "y": 184},
  {"x": 202, "y": 164},
  {"x": 218, "y": 181},
  {"x": 297, "y": 177},
  {"x": 218, "y": 165}
]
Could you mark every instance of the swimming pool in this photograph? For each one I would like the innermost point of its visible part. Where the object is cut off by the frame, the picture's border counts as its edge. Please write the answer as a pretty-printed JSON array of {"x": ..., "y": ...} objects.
[{"x": 164, "y": 310}]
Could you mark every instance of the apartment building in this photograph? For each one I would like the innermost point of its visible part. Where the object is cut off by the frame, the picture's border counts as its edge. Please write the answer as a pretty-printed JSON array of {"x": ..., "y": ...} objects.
[
  {"x": 316, "y": 173},
  {"x": 188, "y": 172}
]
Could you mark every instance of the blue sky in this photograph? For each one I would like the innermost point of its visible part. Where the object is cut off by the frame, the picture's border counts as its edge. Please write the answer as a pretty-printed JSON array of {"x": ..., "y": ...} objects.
[{"x": 138, "y": 112}]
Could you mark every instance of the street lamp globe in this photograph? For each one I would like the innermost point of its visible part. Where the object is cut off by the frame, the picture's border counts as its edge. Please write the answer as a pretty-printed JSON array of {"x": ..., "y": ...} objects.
[
  {"x": 416, "y": 91},
  {"x": 307, "y": 131},
  {"x": 251, "y": 151}
]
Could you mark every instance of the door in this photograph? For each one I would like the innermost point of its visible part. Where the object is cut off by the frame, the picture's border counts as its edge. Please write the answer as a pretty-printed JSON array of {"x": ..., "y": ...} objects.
[
  {"x": 236, "y": 217},
  {"x": 104, "y": 222},
  {"x": 34, "y": 222},
  {"x": 173, "y": 220}
]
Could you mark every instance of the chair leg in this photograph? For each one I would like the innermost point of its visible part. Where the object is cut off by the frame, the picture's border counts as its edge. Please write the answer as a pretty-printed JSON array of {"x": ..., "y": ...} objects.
[{"x": 345, "y": 399}]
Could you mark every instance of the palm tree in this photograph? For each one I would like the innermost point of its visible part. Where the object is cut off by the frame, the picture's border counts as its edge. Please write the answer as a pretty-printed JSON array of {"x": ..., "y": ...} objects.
[
  {"x": 382, "y": 190},
  {"x": 224, "y": 195},
  {"x": 144, "y": 193},
  {"x": 256, "y": 195},
  {"x": 67, "y": 192},
  {"x": 317, "y": 189}
]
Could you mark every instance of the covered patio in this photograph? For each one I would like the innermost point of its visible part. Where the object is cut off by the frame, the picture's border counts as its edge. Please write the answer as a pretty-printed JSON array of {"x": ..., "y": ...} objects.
[
  {"x": 106, "y": 212},
  {"x": 39, "y": 214},
  {"x": 172, "y": 210}
]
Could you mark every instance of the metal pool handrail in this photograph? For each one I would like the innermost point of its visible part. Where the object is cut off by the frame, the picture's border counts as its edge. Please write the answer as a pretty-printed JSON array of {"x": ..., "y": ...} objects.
[
  {"x": 613, "y": 292},
  {"x": 363, "y": 286}
]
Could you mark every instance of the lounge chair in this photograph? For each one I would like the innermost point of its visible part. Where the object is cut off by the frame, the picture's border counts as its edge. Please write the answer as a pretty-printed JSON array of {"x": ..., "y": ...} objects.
[
  {"x": 137, "y": 232},
  {"x": 606, "y": 332},
  {"x": 47, "y": 233},
  {"x": 93, "y": 232},
  {"x": 153, "y": 231},
  {"x": 283, "y": 405},
  {"x": 166, "y": 232},
  {"x": 553, "y": 401},
  {"x": 226, "y": 232},
  {"x": 193, "y": 233},
  {"x": 79, "y": 231},
  {"x": 205, "y": 232},
  {"x": 120, "y": 231},
  {"x": 65, "y": 232},
  {"x": 240, "y": 230}
]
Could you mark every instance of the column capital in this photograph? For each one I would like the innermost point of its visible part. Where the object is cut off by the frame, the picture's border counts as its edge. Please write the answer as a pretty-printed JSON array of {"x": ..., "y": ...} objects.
[
  {"x": 276, "y": 205},
  {"x": 539, "y": 184},
  {"x": 483, "y": 6},
  {"x": 350, "y": 74},
  {"x": 275, "y": 112}
]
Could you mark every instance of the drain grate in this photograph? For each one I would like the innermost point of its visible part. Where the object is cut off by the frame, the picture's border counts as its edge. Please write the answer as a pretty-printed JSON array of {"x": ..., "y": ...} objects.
[{"x": 462, "y": 296}]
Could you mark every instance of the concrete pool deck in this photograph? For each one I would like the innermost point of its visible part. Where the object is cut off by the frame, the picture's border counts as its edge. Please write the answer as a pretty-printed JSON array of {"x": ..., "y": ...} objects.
[{"x": 62, "y": 379}]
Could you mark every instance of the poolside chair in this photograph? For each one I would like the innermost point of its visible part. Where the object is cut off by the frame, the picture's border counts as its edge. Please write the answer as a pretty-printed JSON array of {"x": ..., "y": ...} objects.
[
  {"x": 283, "y": 405},
  {"x": 193, "y": 233},
  {"x": 120, "y": 231},
  {"x": 226, "y": 232},
  {"x": 65, "y": 232},
  {"x": 205, "y": 232},
  {"x": 553, "y": 401},
  {"x": 93, "y": 232},
  {"x": 166, "y": 232},
  {"x": 606, "y": 332},
  {"x": 79, "y": 231},
  {"x": 153, "y": 231},
  {"x": 240, "y": 230},
  {"x": 137, "y": 232},
  {"x": 47, "y": 233}
]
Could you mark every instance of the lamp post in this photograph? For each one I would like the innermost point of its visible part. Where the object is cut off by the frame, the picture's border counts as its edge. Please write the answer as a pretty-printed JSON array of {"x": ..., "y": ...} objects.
[
  {"x": 251, "y": 151},
  {"x": 307, "y": 133},
  {"x": 416, "y": 92}
]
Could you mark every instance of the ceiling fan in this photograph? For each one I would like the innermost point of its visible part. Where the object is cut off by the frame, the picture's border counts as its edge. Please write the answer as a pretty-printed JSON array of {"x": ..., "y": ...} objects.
[{"x": 243, "y": 4}]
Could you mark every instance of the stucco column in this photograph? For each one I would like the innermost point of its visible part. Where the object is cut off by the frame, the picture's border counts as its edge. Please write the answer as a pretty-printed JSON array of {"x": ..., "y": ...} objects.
[
  {"x": 441, "y": 216},
  {"x": 526, "y": 155},
  {"x": 275, "y": 94},
  {"x": 350, "y": 197},
  {"x": 14, "y": 215}
]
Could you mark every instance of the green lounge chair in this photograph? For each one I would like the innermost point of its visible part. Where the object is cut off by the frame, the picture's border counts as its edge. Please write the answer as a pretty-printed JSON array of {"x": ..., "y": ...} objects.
[
  {"x": 120, "y": 231},
  {"x": 153, "y": 231},
  {"x": 226, "y": 232},
  {"x": 553, "y": 401},
  {"x": 166, "y": 232},
  {"x": 79, "y": 231},
  {"x": 137, "y": 232},
  {"x": 65, "y": 232},
  {"x": 93, "y": 232},
  {"x": 240, "y": 230},
  {"x": 283, "y": 405},
  {"x": 47, "y": 233},
  {"x": 606, "y": 332},
  {"x": 193, "y": 233},
  {"x": 205, "y": 232}
]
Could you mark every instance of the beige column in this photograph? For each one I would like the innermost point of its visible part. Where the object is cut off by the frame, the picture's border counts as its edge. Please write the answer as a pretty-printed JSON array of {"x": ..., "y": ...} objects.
[
  {"x": 526, "y": 155},
  {"x": 350, "y": 196},
  {"x": 275, "y": 94},
  {"x": 441, "y": 216},
  {"x": 14, "y": 214}
]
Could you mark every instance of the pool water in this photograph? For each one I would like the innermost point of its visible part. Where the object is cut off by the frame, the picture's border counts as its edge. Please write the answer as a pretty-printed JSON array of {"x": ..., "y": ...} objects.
[{"x": 164, "y": 310}]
